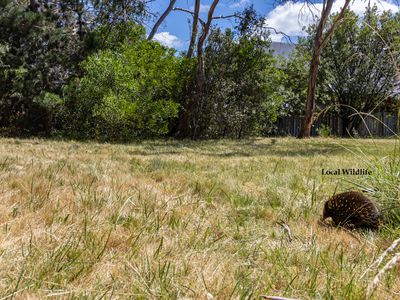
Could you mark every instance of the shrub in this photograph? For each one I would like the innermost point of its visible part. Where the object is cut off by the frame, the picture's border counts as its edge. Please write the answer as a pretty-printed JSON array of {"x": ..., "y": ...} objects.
[
  {"x": 127, "y": 92},
  {"x": 324, "y": 130}
]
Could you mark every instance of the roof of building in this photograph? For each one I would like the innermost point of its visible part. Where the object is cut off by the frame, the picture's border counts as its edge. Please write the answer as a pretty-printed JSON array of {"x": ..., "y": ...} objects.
[{"x": 283, "y": 49}]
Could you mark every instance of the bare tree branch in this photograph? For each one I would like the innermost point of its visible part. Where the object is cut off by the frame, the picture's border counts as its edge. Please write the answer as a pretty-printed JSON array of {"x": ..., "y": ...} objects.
[
  {"x": 227, "y": 17},
  {"x": 189, "y": 12},
  {"x": 161, "y": 19},
  {"x": 194, "y": 29},
  {"x": 331, "y": 30},
  {"x": 269, "y": 28},
  {"x": 206, "y": 29}
]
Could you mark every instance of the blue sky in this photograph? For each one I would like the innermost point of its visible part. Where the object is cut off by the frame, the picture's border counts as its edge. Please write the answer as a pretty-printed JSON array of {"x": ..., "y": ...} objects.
[
  {"x": 176, "y": 24},
  {"x": 289, "y": 18}
]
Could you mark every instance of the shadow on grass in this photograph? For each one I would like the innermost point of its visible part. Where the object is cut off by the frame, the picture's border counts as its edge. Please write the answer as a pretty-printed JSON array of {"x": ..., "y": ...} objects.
[
  {"x": 227, "y": 148},
  {"x": 242, "y": 148}
]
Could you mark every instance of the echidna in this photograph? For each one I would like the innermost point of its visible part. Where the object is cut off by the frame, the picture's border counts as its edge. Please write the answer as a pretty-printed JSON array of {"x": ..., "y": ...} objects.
[{"x": 352, "y": 210}]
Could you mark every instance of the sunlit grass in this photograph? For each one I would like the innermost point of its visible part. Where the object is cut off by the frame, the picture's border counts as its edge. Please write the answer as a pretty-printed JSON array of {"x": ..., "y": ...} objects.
[{"x": 173, "y": 219}]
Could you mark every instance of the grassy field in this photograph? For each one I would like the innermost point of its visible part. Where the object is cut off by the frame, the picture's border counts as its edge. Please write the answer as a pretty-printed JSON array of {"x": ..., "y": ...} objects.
[{"x": 195, "y": 220}]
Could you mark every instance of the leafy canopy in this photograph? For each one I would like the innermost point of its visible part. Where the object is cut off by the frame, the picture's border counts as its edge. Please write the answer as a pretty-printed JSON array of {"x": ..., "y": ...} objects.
[{"x": 127, "y": 92}]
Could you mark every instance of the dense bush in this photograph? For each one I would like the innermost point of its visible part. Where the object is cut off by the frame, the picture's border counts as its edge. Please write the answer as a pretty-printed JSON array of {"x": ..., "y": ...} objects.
[
  {"x": 83, "y": 70},
  {"x": 37, "y": 58},
  {"x": 364, "y": 76},
  {"x": 358, "y": 68},
  {"x": 127, "y": 92},
  {"x": 243, "y": 86}
]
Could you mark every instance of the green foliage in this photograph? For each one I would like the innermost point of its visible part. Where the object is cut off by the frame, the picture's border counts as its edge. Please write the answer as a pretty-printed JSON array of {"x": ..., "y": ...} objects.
[
  {"x": 37, "y": 57},
  {"x": 243, "y": 85},
  {"x": 236, "y": 89},
  {"x": 324, "y": 130},
  {"x": 130, "y": 88},
  {"x": 360, "y": 65},
  {"x": 113, "y": 36},
  {"x": 296, "y": 69},
  {"x": 127, "y": 92},
  {"x": 118, "y": 11},
  {"x": 40, "y": 52}
]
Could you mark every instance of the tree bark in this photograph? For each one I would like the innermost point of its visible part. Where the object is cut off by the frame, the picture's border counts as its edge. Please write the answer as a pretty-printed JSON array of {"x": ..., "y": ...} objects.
[
  {"x": 194, "y": 29},
  {"x": 319, "y": 43},
  {"x": 200, "y": 75},
  {"x": 204, "y": 35},
  {"x": 200, "y": 43},
  {"x": 189, "y": 118},
  {"x": 161, "y": 19}
]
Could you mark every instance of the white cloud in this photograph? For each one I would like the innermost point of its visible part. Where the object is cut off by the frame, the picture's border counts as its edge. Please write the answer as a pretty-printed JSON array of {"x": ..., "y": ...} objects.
[
  {"x": 239, "y": 4},
  {"x": 290, "y": 17},
  {"x": 203, "y": 8},
  {"x": 168, "y": 39}
]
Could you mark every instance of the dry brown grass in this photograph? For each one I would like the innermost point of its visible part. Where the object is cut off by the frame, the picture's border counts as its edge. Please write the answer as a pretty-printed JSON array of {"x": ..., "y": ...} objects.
[{"x": 168, "y": 219}]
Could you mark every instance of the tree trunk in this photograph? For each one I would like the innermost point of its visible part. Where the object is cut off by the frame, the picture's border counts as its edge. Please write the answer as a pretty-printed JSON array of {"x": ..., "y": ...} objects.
[
  {"x": 189, "y": 121},
  {"x": 319, "y": 43},
  {"x": 161, "y": 19},
  {"x": 200, "y": 75},
  {"x": 194, "y": 29},
  {"x": 79, "y": 11},
  {"x": 202, "y": 38},
  {"x": 305, "y": 130}
]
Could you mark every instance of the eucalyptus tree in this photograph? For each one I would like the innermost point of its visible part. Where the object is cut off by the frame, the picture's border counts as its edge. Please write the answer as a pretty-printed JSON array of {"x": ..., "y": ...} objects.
[{"x": 323, "y": 33}]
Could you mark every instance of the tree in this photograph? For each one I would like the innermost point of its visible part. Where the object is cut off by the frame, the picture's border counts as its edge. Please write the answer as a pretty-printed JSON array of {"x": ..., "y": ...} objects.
[
  {"x": 244, "y": 88},
  {"x": 194, "y": 98},
  {"x": 360, "y": 66},
  {"x": 83, "y": 16},
  {"x": 296, "y": 70},
  {"x": 194, "y": 106},
  {"x": 38, "y": 57},
  {"x": 194, "y": 28},
  {"x": 241, "y": 88},
  {"x": 101, "y": 12},
  {"x": 192, "y": 102},
  {"x": 322, "y": 35},
  {"x": 128, "y": 92}
]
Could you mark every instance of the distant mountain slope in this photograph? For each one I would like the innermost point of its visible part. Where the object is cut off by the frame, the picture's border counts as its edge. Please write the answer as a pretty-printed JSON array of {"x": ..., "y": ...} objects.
[{"x": 283, "y": 49}]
